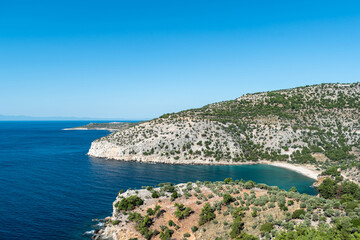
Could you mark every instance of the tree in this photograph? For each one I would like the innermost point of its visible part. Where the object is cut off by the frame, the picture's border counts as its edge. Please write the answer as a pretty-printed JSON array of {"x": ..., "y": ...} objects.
[
  {"x": 236, "y": 227},
  {"x": 266, "y": 227},
  {"x": 207, "y": 214},
  {"x": 327, "y": 188},
  {"x": 228, "y": 180},
  {"x": 182, "y": 212},
  {"x": 298, "y": 213},
  {"x": 227, "y": 198},
  {"x": 129, "y": 203}
]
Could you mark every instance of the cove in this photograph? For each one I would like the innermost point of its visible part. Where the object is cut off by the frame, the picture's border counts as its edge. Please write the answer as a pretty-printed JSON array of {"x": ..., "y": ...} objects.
[{"x": 135, "y": 175}]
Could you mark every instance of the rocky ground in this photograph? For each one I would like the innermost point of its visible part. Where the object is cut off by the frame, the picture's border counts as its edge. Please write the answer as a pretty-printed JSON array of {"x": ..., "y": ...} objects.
[{"x": 259, "y": 205}]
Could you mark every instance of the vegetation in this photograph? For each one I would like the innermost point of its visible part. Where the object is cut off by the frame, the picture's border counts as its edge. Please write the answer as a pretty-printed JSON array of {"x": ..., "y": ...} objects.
[
  {"x": 298, "y": 213},
  {"x": 317, "y": 125},
  {"x": 129, "y": 203},
  {"x": 266, "y": 227},
  {"x": 240, "y": 212},
  {"x": 207, "y": 214},
  {"x": 181, "y": 211}
]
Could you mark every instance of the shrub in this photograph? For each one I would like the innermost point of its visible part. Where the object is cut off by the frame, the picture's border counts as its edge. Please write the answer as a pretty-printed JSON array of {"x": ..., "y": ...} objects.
[
  {"x": 239, "y": 212},
  {"x": 254, "y": 213},
  {"x": 327, "y": 188},
  {"x": 171, "y": 223},
  {"x": 227, "y": 198},
  {"x": 187, "y": 235},
  {"x": 135, "y": 217},
  {"x": 174, "y": 195},
  {"x": 116, "y": 222},
  {"x": 182, "y": 212},
  {"x": 194, "y": 228},
  {"x": 228, "y": 180},
  {"x": 207, "y": 214},
  {"x": 298, "y": 213},
  {"x": 151, "y": 211},
  {"x": 236, "y": 227},
  {"x": 155, "y": 194},
  {"x": 249, "y": 184},
  {"x": 129, "y": 203},
  {"x": 332, "y": 171},
  {"x": 266, "y": 227},
  {"x": 166, "y": 234}
]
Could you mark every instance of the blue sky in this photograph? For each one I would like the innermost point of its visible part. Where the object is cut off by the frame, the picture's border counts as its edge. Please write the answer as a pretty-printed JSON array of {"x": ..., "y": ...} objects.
[{"x": 140, "y": 59}]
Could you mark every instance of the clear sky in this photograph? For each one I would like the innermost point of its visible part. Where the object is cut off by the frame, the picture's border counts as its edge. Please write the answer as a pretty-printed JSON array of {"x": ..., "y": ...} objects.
[{"x": 139, "y": 59}]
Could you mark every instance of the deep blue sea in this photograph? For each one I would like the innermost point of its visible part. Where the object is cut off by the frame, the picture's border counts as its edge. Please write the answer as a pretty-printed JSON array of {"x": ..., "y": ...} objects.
[{"x": 50, "y": 188}]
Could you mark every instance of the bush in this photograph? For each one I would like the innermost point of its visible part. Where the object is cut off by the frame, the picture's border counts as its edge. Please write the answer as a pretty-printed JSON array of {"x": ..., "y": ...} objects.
[
  {"x": 135, "y": 217},
  {"x": 182, "y": 212},
  {"x": 151, "y": 211},
  {"x": 297, "y": 213},
  {"x": 129, "y": 203},
  {"x": 236, "y": 227},
  {"x": 116, "y": 222},
  {"x": 155, "y": 194},
  {"x": 327, "y": 188},
  {"x": 266, "y": 227},
  {"x": 166, "y": 234},
  {"x": 239, "y": 212},
  {"x": 332, "y": 171},
  {"x": 228, "y": 180},
  {"x": 187, "y": 235},
  {"x": 227, "y": 198},
  {"x": 207, "y": 214},
  {"x": 171, "y": 223},
  {"x": 249, "y": 184},
  {"x": 194, "y": 228},
  {"x": 174, "y": 195},
  {"x": 254, "y": 213}
]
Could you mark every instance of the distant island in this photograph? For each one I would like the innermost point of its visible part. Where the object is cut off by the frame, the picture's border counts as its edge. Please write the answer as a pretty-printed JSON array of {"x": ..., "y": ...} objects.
[{"x": 110, "y": 126}]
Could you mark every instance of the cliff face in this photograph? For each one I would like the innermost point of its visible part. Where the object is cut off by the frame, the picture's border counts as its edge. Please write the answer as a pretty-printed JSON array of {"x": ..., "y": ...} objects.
[
  {"x": 163, "y": 140},
  {"x": 309, "y": 124}
]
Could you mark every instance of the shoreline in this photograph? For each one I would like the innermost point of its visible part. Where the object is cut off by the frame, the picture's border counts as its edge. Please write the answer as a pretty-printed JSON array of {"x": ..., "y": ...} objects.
[
  {"x": 103, "y": 129},
  {"x": 305, "y": 170}
]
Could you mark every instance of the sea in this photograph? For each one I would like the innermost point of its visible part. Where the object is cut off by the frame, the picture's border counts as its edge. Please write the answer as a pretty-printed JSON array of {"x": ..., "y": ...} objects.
[{"x": 50, "y": 188}]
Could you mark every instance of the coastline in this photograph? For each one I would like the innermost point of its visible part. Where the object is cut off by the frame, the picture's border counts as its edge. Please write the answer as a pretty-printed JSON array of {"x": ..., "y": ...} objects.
[
  {"x": 306, "y": 170},
  {"x": 104, "y": 129}
]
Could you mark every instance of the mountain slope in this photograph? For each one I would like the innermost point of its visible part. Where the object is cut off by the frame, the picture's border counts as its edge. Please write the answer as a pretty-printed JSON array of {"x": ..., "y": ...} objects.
[{"x": 315, "y": 124}]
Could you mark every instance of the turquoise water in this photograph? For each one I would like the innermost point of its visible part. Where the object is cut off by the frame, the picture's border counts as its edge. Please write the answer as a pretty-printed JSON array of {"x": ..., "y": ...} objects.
[{"x": 51, "y": 189}]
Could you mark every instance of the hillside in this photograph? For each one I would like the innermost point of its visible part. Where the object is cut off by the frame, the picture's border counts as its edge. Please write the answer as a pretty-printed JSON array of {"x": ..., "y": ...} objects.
[
  {"x": 235, "y": 210},
  {"x": 318, "y": 125}
]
